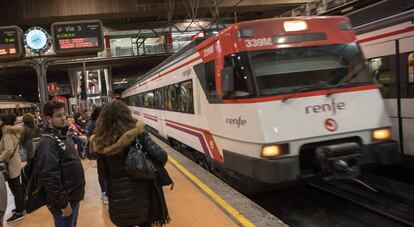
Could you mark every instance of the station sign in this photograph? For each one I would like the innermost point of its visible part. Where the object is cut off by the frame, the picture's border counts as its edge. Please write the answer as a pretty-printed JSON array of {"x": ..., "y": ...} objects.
[
  {"x": 11, "y": 46},
  {"x": 78, "y": 37}
]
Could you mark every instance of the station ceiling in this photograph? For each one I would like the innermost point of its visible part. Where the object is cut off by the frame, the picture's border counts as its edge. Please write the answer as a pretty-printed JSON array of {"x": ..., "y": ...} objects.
[
  {"x": 129, "y": 14},
  {"x": 121, "y": 15}
]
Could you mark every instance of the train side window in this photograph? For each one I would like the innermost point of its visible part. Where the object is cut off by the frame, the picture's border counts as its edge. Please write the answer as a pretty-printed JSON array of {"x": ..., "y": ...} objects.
[
  {"x": 407, "y": 70},
  {"x": 411, "y": 68},
  {"x": 381, "y": 69},
  {"x": 135, "y": 100},
  {"x": 172, "y": 97},
  {"x": 243, "y": 85},
  {"x": 210, "y": 72},
  {"x": 156, "y": 104},
  {"x": 186, "y": 97},
  {"x": 149, "y": 99},
  {"x": 161, "y": 99},
  {"x": 141, "y": 99}
]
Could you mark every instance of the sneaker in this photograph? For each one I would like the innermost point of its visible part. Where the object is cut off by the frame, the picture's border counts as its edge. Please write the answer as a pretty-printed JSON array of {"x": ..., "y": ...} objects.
[
  {"x": 105, "y": 200},
  {"x": 15, "y": 217},
  {"x": 14, "y": 211}
]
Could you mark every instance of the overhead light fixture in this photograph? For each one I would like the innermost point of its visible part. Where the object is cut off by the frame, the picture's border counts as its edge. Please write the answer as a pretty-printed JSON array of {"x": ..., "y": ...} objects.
[{"x": 295, "y": 25}]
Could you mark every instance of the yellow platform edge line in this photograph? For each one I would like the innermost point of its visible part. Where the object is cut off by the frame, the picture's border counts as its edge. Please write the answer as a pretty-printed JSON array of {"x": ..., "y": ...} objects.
[{"x": 240, "y": 218}]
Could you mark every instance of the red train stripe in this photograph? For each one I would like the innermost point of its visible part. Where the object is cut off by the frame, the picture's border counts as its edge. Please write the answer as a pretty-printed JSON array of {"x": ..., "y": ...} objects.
[
  {"x": 301, "y": 95},
  {"x": 409, "y": 29},
  {"x": 208, "y": 137}
]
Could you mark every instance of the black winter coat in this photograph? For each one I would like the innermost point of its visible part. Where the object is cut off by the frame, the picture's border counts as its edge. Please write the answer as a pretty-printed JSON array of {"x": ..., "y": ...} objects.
[
  {"x": 61, "y": 175},
  {"x": 131, "y": 201}
]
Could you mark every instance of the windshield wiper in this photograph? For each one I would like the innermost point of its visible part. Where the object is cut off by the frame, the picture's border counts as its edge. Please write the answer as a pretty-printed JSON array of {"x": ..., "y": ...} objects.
[
  {"x": 309, "y": 88},
  {"x": 347, "y": 80}
]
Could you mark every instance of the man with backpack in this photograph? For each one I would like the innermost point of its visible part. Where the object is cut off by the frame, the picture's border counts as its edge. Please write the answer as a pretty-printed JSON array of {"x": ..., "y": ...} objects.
[{"x": 60, "y": 174}]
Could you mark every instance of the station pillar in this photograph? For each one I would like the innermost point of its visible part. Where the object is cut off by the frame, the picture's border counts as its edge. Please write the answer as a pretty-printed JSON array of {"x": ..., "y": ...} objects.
[{"x": 40, "y": 65}]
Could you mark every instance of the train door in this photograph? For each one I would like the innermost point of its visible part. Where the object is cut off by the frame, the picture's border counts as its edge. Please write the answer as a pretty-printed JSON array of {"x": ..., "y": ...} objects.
[
  {"x": 382, "y": 61},
  {"x": 161, "y": 93},
  {"x": 406, "y": 69}
]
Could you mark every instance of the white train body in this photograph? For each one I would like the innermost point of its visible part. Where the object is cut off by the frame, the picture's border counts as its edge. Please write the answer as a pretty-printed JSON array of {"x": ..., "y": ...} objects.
[{"x": 232, "y": 133}]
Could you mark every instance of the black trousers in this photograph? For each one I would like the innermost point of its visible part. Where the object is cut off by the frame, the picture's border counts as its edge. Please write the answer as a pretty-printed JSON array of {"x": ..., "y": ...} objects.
[{"x": 17, "y": 190}]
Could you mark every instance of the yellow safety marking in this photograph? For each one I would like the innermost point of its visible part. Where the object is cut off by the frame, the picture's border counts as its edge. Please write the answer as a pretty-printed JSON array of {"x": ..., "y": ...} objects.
[{"x": 240, "y": 218}]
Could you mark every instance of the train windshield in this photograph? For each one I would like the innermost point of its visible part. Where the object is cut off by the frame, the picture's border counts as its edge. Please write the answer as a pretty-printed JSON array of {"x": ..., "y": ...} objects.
[{"x": 285, "y": 70}]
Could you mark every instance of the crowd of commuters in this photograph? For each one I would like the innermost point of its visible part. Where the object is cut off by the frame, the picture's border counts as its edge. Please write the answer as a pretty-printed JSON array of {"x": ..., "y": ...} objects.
[{"x": 105, "y": 135}]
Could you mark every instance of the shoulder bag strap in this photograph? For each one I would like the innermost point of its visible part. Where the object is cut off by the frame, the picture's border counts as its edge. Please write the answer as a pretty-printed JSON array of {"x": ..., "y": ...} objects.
[{"x": 14, "y": 151}]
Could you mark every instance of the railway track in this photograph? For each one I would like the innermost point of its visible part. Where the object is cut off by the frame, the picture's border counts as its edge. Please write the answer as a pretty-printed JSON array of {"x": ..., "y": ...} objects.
[
  {"x": 389, "y": 204},
  {"x": 342, "y": 203}
]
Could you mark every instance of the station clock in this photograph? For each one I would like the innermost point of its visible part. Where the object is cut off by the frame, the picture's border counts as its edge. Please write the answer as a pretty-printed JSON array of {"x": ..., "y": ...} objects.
[{"x": 37, "y": 39}]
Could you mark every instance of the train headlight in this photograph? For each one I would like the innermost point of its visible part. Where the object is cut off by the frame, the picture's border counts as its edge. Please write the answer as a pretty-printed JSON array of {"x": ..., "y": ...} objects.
[
  {"x": 381, "y": 134},
  {"x": 275, "y": 150},
  {"x": 295, "y": 25}
]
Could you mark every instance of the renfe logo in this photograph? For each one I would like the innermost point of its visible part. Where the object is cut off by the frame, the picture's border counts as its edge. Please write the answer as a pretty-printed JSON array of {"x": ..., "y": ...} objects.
[
  {"x": 331, "y": 107},
  {"x": 331, "y": 125},
  {"x": 236, "y": 121},
  {"x": 187, "y": 72}
]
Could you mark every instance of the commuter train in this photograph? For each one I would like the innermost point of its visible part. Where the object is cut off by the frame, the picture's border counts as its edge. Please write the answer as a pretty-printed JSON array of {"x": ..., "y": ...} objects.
[
  {"x": 13, "y": 105},
  {"x": 270, "y": 102},
  {"x": 388, "y": 45}
]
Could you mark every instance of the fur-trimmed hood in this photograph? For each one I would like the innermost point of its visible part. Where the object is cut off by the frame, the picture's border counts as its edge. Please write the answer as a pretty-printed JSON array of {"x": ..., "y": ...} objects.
[
  {"x": 123, "y": 141},
  {"x": 14, "y": 129}
]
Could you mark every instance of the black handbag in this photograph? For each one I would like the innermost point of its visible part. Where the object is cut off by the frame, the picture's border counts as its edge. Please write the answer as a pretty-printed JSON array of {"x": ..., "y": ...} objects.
[
  {"x": 138, "y": 164},
  {"x": 4, "y": 166}
]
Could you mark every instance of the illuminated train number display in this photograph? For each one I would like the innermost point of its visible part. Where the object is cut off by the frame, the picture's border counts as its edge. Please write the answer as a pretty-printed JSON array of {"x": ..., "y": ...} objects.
[
  {"x": 77, "y": 37},
  {"x": 10, "y": 43}
]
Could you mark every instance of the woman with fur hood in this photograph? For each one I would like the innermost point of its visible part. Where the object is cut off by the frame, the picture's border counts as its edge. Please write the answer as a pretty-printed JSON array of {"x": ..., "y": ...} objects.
[
  {"x": 131, "y": 201},
  {"x": 9, "y": 152}
]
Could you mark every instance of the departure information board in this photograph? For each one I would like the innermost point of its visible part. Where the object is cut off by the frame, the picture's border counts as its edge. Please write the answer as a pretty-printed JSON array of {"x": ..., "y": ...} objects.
[
  {"x": 77, "y": 37},
  {"x": 10, "y": 43}
]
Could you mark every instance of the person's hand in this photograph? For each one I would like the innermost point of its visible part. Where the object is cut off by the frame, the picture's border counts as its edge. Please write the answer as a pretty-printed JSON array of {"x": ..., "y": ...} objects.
[{"x": 67, "y": 211}]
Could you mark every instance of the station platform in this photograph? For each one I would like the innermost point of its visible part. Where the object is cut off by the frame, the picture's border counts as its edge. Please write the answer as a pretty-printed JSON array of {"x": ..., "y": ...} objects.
[{"x": 198, "y": 199}]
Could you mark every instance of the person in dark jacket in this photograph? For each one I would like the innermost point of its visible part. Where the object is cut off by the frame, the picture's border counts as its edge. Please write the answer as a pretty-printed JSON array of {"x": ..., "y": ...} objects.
[
  {"x": 131, "y": 201},
  {"x": 30, "y": 131},
  {"x": 61, "y": 176}
]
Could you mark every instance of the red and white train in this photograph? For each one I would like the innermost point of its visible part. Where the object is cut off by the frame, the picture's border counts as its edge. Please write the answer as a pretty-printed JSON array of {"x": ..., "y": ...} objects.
[{"x": 269, "y": 102}]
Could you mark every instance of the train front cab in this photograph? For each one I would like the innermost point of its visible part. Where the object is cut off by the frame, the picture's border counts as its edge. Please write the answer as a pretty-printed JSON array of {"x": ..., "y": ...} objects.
[
  {"x": 311, "y": 153},
  {"x": 334, "y": 157}
]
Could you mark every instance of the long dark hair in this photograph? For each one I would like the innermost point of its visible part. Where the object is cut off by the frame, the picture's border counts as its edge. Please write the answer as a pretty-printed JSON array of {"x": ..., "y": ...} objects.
[
  {"x": 8, "y": 119},
  {"x": 113, "y": 121}
]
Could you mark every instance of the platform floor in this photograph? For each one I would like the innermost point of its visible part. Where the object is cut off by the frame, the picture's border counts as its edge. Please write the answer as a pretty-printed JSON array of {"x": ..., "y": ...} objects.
[{"x": 187, "y": 205}]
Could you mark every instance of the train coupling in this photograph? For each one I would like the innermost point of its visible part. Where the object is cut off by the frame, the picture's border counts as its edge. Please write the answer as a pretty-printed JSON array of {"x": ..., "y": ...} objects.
[{"x": 339, "y": 161}]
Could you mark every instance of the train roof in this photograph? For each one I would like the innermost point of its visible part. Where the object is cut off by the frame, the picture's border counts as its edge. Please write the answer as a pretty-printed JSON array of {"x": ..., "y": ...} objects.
[
  {"x": 185, "y": 51},
  {"x": 200, "y": 43}
]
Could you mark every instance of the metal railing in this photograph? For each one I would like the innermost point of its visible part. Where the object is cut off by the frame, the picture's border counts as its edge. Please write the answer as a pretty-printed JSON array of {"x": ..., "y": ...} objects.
[{"x": 317, "y": 7}]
